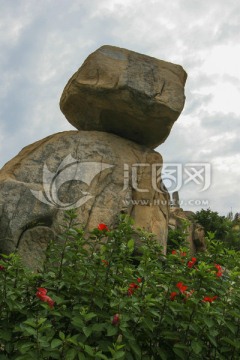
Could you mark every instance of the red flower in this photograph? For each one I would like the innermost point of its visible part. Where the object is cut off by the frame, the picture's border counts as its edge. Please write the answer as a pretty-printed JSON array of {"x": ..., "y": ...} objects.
[
  {"x": 219, "y": 270},
  {"x": 103, "y": 227},
  {"x": 41, "y": 294},
  {"x": 183, "y": 254},
  {"x": 173, "y": 295},
  {"x": 209, "y": 299},
  {"x": 139, "y": 280},
  {"x": 41, "y": 291},
  {"x": 130, "y": 292},
  {"x": 2, "y": 267},
  {"x": 181, "y": 287},
  {"x": 174, "y": 252},
  {"x": 116, "y": 319},
  {"x": 132, "y": 287},
  {"x": 191, "y": 263},
  {"x": 105, "y": 262}
]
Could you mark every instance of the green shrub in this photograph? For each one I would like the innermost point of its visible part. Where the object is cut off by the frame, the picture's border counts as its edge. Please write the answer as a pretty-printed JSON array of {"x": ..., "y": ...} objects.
[
  {"x": 177, "y": 236},
  {"x": 225, "y": 229},
  {"x": 92, "y": 300},
  {"x": 213, "y": 222}
]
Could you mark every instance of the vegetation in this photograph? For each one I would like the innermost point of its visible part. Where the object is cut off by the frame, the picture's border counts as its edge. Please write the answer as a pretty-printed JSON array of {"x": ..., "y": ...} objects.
[
  {"x": 93, "y": 300},
  {"x": 226, "y": 229}
]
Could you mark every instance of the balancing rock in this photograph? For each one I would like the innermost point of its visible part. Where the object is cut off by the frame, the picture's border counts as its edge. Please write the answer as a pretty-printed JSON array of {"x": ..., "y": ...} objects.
[{"x": 125, "y": 93}]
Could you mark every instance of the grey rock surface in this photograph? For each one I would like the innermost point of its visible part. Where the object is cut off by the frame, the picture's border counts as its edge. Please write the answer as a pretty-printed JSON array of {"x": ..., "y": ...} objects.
[{"x": 90, "y": 170}]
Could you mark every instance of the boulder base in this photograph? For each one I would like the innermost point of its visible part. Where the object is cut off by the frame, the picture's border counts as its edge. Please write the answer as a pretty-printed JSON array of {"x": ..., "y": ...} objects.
[{"x": 90, "y": 171}]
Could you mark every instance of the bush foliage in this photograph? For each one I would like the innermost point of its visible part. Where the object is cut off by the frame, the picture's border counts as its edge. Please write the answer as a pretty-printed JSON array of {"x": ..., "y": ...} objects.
[
  {"x": 94, "y": 299},
  {"x": 226, "y": 229}
]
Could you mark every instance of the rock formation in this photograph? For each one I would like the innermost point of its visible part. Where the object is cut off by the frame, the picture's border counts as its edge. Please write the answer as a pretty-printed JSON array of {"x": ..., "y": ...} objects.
[
  {"x": 194, "y": 231},
  {"x": 129, "y": 94},
  {"x": 126, "y": 103},
  {"x": 58, "y": 173}
]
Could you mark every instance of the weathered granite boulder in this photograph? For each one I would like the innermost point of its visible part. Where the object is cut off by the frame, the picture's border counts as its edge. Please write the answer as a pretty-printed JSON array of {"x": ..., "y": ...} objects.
[
  {"x": 194, "y": 231},
  {"x": 126, "y": 93},
  {"x": 97, "y": 173}
]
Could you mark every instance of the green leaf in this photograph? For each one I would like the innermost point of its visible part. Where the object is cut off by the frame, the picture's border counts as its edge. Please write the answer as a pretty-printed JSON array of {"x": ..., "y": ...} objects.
[
  {"x": 73, "y": 340},
  {"x": 31, "y": 322},
  {"x": 56, "y": 343},
  {"x": 81, "y": 356},
  {"x": 148, "y": 323},
  {"x": 90, "y": 316},
  {"x": 130, "y": 245},
  {"x": 29, "y": 330},
  {"x": 234, "y": 343},
  {"x": 111, "y": 330},
  {"x": 78, "y": 322},
  {"x": 196, "y": 346},
  {"x": 41, "y": 321},
  {"x": 232, "y": 327},
  {"x": 71, "y": 354},
  {"x": 119, "y": 355},
  {"x": 212, "y": 340},
  {"x": 181, "y": 346},
  {"x": 99, "y": 355},
  {"x": 170, "y": 335},
  {"x": 24, "y": 348},
  {"x": 99, "y": 302},
  {"x": 209, "y": 322},
  {"x": 88, "y": 350},
  {"x": 180, "y": 353},
  {"x": 87, "y": 331},
  {"x": 98, "y": 327},
  {"x": 163, "y": 354},
  {"x": 5, "y": 335},
  {"x": 61, "y": 335},
  {"x": 134, "y": 346}
]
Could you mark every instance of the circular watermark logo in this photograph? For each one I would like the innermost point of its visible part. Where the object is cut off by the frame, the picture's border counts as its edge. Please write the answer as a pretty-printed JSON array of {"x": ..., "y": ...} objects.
[{"x": 69, "y": 169}]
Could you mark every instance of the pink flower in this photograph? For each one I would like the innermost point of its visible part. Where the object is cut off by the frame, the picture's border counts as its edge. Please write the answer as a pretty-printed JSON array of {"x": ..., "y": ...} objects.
[
  {"x": 103, "y": 227},
  {"x": 116, "y": 319},
  {"x": 41, "y": 294},
  {"x": 181, "y": 287}
]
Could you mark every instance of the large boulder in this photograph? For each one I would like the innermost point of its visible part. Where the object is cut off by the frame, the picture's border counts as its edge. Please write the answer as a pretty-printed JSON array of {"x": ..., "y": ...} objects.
[
  {"x": 126, "y": 93},
  {"x": 99, "y": 174}
]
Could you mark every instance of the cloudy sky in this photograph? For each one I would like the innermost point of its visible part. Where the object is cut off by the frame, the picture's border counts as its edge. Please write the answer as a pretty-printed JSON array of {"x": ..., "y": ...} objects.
[{"x": 44, "y": 42}]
